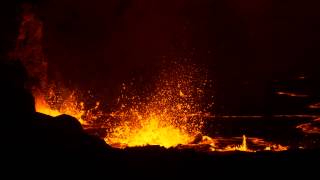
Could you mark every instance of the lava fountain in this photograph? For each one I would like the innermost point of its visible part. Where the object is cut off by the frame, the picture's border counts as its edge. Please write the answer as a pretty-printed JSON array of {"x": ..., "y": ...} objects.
[
  {"x": 170, "y": 114},
  {"x": 173, "y": 114}
]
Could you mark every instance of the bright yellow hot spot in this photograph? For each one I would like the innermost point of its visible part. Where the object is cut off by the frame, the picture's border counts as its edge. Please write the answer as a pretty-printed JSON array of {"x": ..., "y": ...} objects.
[{"x": 151, "y": 132}]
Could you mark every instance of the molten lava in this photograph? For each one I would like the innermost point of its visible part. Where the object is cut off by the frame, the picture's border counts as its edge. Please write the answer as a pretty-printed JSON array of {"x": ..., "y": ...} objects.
[
  {"x": 170, "y": 116},
  {"x": 55, "y": 105},
  {"x": 49, "y": 99},
  {"x": 151, "y": 131},
  {"x": 242, "y": 147},
  {"x": 173, "y": 116},
  {"x": 221, "y": 144}
]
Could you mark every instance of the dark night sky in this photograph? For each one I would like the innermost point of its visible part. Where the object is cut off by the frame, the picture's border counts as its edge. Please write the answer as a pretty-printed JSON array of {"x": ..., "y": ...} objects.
[{"x": 245, "y": 44}]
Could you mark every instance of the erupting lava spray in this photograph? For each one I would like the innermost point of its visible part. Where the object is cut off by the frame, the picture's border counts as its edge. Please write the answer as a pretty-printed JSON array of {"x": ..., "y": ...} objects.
[{"x": 173, "y": 114}]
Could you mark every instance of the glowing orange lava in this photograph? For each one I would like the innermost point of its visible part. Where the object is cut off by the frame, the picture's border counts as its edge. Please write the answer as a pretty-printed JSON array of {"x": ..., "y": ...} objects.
[
  {"x": 170, "y": 116},
  {"x": 242, "y": 147},
  {"x": 49, "y": 99},
  {"x": 173, "y": 115},
  {"x": 55, "y": 105},
  {"x": 150, "y": 132},
  {"x": 206, "y": 143}
]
